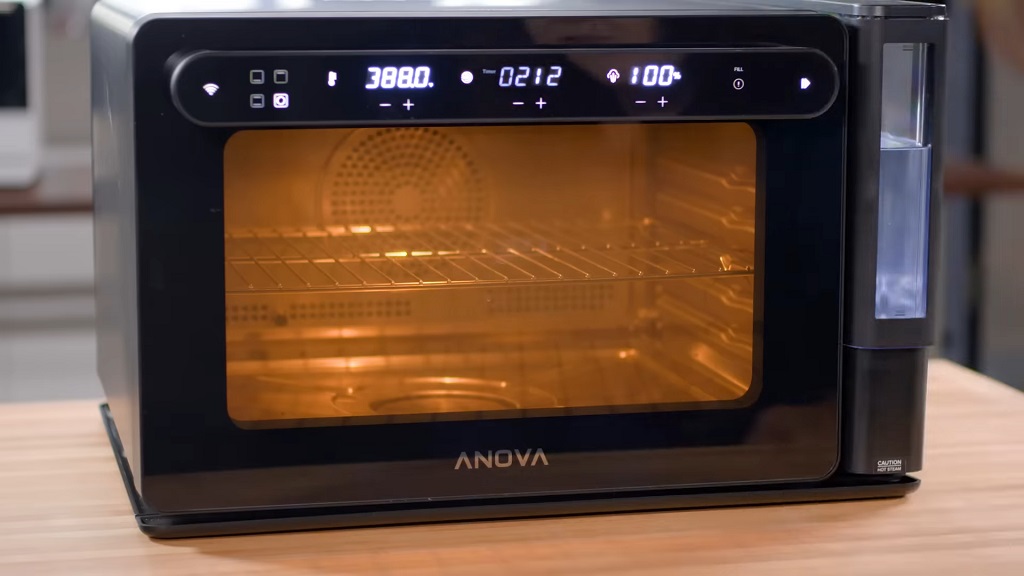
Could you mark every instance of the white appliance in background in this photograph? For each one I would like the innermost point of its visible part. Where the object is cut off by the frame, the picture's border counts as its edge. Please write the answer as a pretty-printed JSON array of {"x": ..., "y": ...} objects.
[{"x": 21, "y": 92}]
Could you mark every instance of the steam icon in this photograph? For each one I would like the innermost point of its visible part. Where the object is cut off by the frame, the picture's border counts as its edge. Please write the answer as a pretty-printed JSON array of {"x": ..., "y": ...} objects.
[{"x": 613, "y": 75}]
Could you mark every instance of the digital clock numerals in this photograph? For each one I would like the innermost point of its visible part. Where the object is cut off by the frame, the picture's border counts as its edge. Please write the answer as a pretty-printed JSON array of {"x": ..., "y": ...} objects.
[
  {"x": 401, "y": 77},
  {"x": 523, "y": 76},
  {"x": 654, "y": 75}
]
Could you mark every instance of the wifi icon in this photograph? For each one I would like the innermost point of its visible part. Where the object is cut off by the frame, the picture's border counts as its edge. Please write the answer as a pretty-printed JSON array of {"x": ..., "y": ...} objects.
[{"x": 211, "y": 88}]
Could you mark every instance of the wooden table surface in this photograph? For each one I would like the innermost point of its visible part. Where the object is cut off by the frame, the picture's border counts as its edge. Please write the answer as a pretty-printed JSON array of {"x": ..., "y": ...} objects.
[{"x": 63, "y": 510}]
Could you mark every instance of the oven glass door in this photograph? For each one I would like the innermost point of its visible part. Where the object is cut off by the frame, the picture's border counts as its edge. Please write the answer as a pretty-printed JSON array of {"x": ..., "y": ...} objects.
[
  {"x": 423, "y": 274},
  {"x": 411, "y": 308}
]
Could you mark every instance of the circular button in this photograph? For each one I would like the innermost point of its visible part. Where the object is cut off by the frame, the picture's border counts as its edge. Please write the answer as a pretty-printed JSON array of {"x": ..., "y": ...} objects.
[{"x": 738, "y": 83}]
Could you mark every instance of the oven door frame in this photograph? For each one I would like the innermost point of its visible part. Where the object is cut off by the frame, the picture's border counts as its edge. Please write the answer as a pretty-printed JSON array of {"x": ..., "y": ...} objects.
[{"x": 194, "y": 458}]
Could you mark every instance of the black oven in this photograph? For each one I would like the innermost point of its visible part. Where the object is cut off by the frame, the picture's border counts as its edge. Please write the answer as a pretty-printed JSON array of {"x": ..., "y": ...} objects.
[{"x": 380, "y": 262}]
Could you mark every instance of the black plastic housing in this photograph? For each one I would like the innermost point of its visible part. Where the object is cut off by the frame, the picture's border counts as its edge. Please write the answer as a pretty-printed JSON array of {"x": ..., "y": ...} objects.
[
  {"x": 887, "y": 403},
  {"x": 229, "y": 523}
]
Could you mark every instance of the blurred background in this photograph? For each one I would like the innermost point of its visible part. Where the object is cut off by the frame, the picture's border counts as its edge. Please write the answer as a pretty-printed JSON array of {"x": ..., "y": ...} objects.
[{"x": 47, "y": 345}]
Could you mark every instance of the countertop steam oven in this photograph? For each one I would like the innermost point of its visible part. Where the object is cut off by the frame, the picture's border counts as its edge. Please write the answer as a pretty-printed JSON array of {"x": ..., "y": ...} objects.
[{"x": 380, "y": 262}]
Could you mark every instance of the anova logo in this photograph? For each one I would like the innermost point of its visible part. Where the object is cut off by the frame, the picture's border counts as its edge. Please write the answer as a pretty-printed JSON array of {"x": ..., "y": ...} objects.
[{"x": 502, "y": 459}]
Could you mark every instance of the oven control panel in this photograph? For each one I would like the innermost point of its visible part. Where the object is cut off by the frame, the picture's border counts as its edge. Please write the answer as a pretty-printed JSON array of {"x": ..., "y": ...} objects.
[{"x": 380, "y": 88}]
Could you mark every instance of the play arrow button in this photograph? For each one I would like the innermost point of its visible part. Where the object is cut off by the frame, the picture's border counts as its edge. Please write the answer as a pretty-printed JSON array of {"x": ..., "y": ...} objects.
[{"x": 805, "y": 83}]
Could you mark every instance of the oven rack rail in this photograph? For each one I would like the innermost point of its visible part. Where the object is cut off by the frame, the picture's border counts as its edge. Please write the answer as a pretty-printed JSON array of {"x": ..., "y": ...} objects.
[{"x": 386, "y": 257}]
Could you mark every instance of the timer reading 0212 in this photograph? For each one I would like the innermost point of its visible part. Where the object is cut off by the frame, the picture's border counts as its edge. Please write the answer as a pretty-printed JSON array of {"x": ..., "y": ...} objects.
[{"x": 523, "y": 76}]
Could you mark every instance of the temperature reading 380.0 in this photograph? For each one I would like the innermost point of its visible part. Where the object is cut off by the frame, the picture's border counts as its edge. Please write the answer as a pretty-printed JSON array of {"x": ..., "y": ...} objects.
[{"x": 401, "y": 77}]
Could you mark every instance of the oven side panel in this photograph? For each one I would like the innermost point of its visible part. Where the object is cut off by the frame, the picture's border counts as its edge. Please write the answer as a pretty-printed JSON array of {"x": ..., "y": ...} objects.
[{"x": 114, "y": 191}]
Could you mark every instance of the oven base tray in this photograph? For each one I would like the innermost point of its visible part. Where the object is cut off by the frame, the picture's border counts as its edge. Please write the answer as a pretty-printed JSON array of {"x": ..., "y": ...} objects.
[{"x": 236, "y": 522}]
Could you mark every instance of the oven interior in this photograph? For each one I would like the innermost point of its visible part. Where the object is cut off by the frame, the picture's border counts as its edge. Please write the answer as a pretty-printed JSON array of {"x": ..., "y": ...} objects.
[{"x": 411, "y": 274}]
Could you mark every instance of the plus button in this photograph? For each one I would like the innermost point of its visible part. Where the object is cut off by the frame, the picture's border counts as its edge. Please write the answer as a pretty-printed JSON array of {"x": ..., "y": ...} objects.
[
  {"x": 541, "y": 103},
  {"x": 408, "y": 104},
  {"x": 662, "y": 101}
]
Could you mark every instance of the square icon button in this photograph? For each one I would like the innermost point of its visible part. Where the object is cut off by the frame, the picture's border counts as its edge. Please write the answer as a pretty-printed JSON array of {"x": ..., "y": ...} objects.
[
  {"x": 256, "y": 77},
  {"x": 257, "y": 101},
  {"x": 280, "y": 76},
  {"x": 281, "y": 101}
]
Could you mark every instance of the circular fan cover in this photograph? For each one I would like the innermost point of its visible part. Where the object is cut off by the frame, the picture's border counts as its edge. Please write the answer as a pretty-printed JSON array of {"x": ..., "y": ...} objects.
[{"x": 401, "y": 176}]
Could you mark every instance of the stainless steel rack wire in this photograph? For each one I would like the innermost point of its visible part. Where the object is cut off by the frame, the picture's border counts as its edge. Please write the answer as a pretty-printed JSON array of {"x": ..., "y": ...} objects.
[{"x": 381, "y": 257}]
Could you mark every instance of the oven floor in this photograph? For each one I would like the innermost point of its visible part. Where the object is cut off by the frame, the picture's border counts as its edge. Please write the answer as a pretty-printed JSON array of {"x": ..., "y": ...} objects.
[{"x": 495, "y": 383}]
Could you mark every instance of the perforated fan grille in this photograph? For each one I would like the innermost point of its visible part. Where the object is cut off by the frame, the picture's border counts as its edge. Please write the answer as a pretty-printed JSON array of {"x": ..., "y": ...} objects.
[
  {"x": 357, "y": 310},
  {"x": 248, "y": 314},
  {"x": 402, "y": 176},
  {"x": 579, "y": 298},
  {"x": 318, "y": 312}
]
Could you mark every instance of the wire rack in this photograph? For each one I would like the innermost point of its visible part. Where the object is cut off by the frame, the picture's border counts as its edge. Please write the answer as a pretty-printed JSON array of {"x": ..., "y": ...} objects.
[{"x": 365, "y": 257}]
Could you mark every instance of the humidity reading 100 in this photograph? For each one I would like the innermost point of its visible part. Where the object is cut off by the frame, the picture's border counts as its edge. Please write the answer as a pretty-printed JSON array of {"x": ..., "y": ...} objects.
[
  {"x": 523, "y": 76},
  {"x": 654, "y": 75},
  {"x": 401, "y": 77}
]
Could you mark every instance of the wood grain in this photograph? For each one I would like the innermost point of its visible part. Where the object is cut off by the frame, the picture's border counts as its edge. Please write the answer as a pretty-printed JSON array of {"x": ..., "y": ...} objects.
[{"x": 63, "y": 511}]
